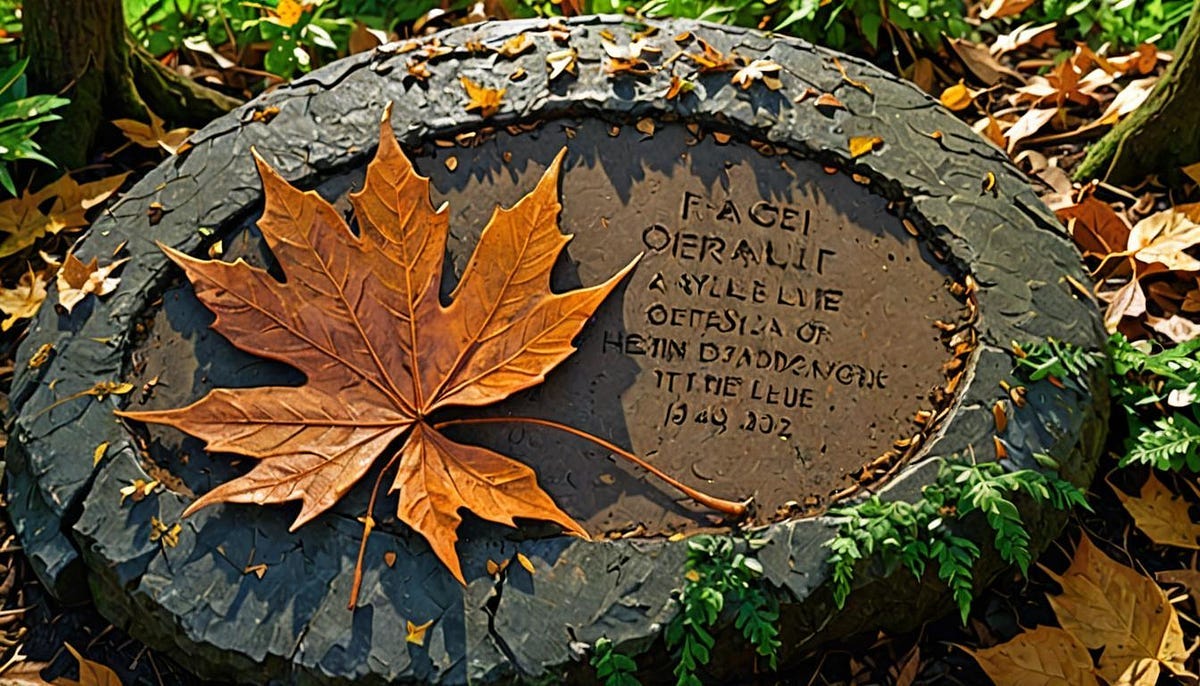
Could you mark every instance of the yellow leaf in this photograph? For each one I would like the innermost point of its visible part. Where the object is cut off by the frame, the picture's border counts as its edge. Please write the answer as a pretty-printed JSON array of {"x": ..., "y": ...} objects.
[
  {"x": 90, "y": 673},
  {"x": 484, "y": 100},
  {"x": 524, "y": 561},
  {"x": 957, "y": 97},
  {"x": 416, "y": 633},
  {"x": 153, "y": 135},
  {"x": 23, "y": 301},
  {"x": 1107, "y": 605},
  {"x": 1045, "y": 656},
  {"x": 1162, "y": 515},
  {"x": 98, "y": 453},
  {"x": 861, "y": 145},
  {"x": 289, "y": 12}
]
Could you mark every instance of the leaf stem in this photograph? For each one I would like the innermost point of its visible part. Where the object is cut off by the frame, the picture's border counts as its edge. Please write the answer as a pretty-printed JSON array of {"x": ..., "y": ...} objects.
[
  {"x": 368, "y": 524},
  {"x": 728, "y": 507}
]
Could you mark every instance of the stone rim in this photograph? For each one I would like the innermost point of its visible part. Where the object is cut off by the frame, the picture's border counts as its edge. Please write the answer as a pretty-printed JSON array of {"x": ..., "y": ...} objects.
[{"x": 57, "y": 501}]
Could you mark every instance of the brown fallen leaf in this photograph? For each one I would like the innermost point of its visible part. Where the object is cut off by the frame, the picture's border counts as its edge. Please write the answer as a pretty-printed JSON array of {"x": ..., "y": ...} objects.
[
  {"x": 24, "y": 222},
  {"x": 484, "y": 100},
  {"x": 416, "y": 632},
  {"x": 709, "y": 59},
  {"x": 23, "y": 301},
  {"x": 502, "y": 332},
  {"x": 1127, "y": 301},
  {"x": 515, "y": 46},
  {"x": 1188, "y": 578},
  {"x": 1107, "y": 605},
  {"x": 76, "y": 280},
  {"x": 1029, "y": 123},
  {"x": 999, "y": 9},
  {"x": 90, "y": 673},
  {"x": 154, "y": 135},
  {"x": 764, "y": 71},
  {"x": 1162, "y": 515},
  {"x": 1045, "y": 656},
  {"x": 828, "y": 100},
  {"x": 979, "y": 61},
  {"x": 1163, "y": 238},
  {"x": 364, "y": 38},
  {"x": 1096, "y": 228}
]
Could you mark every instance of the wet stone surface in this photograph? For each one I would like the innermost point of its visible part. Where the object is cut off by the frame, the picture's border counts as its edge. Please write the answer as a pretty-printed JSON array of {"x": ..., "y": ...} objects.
[{"x": 778, "y": 335}]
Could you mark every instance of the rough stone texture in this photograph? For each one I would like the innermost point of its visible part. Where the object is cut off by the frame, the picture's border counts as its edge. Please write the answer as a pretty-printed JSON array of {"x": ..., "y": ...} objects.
[{"x": 196, "y": 599}]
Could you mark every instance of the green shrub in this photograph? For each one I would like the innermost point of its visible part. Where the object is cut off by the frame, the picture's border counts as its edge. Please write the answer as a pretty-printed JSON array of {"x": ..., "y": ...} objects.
[
  {"x": 1158, "y": 390},
  {"x": 20, "y": 117}
]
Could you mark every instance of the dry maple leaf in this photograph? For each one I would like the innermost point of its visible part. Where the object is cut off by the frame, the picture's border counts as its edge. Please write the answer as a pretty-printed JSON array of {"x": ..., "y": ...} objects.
[
  {"x": 77, "y": 279},
  {"x": 484, "y": 100},
  {"x": 1162, "y": 515},
  {"x": 1108, "y": 605},
  {"x": 154, "y": 135},
  {"x": 23, "y": 301},
  {"x": 24, "y": 222},
  {"x": 361, "y": 317},
  {"x": 90, "y": 673},
  {"x": 1045, "y": 656}
]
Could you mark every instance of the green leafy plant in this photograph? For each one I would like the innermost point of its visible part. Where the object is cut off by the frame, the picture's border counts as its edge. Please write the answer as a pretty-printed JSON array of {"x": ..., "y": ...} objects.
[
  {"x": 719, "y": 577},
  {"x": 1123, "y": 23},
  {"x": 1158, "y": 389},
  {"x": 915, "y": 535},
  {"x": 613, "y": 668},
  {"x": 1058, "y": 361},
  {"x": 20, "y": 117}
]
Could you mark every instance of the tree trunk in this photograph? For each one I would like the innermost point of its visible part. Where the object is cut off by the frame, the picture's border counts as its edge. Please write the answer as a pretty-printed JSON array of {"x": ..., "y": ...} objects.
[
  {"x": 1164, "y": 133},
  {"x": 81, "y": 48}
]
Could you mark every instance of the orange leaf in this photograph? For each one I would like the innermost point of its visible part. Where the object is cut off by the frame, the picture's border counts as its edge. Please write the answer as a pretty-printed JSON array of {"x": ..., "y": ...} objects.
[{"x": 360, "y": 316}]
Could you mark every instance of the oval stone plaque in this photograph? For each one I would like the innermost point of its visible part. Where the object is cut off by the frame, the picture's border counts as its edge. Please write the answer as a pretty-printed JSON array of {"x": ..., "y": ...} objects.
[{"x": 783, "y": 329}]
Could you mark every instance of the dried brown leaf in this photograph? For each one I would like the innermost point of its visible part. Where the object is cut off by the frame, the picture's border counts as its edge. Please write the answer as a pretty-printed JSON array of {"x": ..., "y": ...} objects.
[
  {"x": 76, "y": 280},
  {"x": 23, "y": 301},
  {"x": 402, "y": 355},
  {"x": 90, "y": 673},
  {"x": 1162, "y": 515},
  {"x": 1045, "y": 656},
  {"x": 1106, "y": 605},
  {"x": 485, "y": 101},
  {"x": 999, "y": 9}
]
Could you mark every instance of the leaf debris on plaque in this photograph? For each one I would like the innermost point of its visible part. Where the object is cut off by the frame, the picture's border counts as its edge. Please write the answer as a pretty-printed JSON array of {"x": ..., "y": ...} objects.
[
  {"x": 485, "y": 101},
  {"x": 415, "y": 633},
  {"x": 562, "y": 61}
]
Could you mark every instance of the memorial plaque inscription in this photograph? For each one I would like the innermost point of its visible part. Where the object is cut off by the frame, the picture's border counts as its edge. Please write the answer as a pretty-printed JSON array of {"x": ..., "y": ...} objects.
[{"x": 776, "y": 335}]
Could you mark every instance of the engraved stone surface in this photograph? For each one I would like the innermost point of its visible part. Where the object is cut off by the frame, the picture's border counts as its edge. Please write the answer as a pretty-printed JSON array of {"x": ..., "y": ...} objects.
[
  {"x": 777, "y": 334},
  {"x": 729, "y": 173}
]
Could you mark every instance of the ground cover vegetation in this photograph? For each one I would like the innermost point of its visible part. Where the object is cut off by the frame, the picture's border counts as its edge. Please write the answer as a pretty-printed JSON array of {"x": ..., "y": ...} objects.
[{"x": 1045, "y": 80}]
